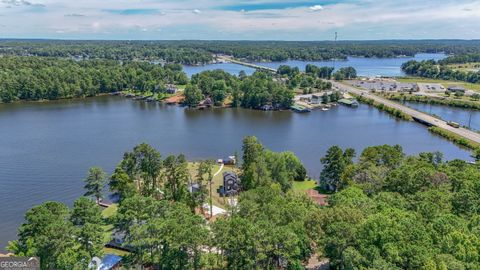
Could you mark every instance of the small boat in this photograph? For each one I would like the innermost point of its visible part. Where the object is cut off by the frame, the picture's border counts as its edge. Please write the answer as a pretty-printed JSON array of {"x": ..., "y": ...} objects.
[{"x": 325, "y": 109}]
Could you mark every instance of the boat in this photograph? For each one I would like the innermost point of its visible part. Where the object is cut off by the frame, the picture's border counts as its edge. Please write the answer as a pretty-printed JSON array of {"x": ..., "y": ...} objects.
[{"x": 325, "y": 109}]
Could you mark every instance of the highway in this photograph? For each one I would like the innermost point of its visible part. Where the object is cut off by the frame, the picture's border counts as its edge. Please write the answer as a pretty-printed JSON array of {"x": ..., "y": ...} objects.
[
  {"x": 417, "y": 115},
  {"x": 230, "y": 59}
]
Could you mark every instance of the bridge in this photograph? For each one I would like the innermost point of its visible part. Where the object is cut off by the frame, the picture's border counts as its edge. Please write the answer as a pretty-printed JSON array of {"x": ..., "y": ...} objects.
[
  {"x": 251, "y": 65},
  {"x": 418, "y": 116}
]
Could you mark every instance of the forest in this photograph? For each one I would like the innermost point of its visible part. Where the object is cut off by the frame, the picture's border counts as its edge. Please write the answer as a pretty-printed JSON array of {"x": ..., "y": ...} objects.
[
  {"x": 36, "y": 78},
  {"x": 200, "y": 52},
  {"x": 461, "y": 59},
  {"x": 244, "y": 91},
  {"x": 385, "y": 210},
  {"x": 434, "y": 70}
]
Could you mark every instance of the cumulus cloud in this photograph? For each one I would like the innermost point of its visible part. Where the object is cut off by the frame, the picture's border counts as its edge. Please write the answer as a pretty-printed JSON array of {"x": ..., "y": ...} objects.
[
  {"x": 18, "y": 3},
  {"x": 74, "y": 15},
  {"x": 316, "y": 8},
  {"x": 179, "y": 20}
]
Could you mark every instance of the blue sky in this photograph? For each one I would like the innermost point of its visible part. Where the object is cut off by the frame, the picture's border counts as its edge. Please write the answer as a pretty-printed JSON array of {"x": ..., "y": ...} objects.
[{"x": 244, "y": 19}]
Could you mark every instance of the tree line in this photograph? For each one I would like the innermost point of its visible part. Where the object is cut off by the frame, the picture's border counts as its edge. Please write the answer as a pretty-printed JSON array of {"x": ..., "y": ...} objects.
[
  {"x": 36, "y": 78},
  {"x": 434, "y": 70},
  {"x": 386, "y": 211},
  {"x": 461, "y": 59},
  {"x": 328, "y": 50},
  {"x": 113, "y": 50},
  {"x": 199, "y": 52}
]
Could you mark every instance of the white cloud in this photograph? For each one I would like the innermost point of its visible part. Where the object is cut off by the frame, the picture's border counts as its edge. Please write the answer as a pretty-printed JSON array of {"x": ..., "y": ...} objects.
[
  {"x": 178, "y": 20},
  {"x": 316, "y": 8}
]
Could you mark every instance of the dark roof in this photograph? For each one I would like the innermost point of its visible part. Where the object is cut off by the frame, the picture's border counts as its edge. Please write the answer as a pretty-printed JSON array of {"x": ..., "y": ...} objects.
[{"x": 456, "y": 88}]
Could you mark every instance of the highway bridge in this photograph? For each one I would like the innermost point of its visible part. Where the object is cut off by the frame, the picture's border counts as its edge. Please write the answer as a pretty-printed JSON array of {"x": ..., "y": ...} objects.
[{"x": 251, "y": 65}]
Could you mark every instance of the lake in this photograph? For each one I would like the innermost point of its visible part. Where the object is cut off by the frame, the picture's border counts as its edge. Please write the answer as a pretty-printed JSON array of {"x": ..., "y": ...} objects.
[
  {"x": 464, "y": 117},
  {"x": 390, "y": 67},
  {"x": 47, "y": 148}
]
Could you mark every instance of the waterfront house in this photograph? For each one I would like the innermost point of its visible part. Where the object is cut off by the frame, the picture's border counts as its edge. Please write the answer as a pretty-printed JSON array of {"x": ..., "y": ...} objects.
[
  {"x": 171, "y": 89},
  {"x": 316, "y": 99}
]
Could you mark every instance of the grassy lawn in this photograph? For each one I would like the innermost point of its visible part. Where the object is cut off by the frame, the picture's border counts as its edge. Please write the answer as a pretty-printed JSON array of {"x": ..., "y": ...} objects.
[
  {"x": 445, "y": 83},
  {"x": 115, "y": 251},
  {"x": 107, "y": 229},
  {"x": 216, "y": 183},
  {"x": 304, "y": 185},
  {"x": 110, "y": 211},
  {"x": 475, "y": 66}
]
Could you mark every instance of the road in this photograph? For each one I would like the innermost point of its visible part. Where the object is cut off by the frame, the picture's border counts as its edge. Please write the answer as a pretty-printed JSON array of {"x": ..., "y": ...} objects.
[
  {"x": 417, "y": 115},
  {"x": 219, "y": 170},
  {"x": 230, "y": 59}
]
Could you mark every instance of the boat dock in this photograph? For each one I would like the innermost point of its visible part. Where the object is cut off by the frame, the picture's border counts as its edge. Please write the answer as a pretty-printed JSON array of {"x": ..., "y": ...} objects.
[{"x": 299, "y": 108}]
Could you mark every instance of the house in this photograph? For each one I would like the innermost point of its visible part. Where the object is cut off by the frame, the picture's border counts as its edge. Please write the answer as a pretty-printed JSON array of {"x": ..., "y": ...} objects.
[
  {"x": 231, "y": 185},
  {"x": 316, "y": 99},
  {"x": 230, "y": 160},
  {"x": 171, "y": 89},
  {"x": 194, "y": 188},
  {"x": 456, "y": 89},
  {"x": 207, "y": 102}
]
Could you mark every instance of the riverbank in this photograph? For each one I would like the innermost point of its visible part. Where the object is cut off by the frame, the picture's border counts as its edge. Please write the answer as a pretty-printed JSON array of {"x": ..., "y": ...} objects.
[
  {"x": 459, "y": 103},
  {"x": 455, "y": 138}
]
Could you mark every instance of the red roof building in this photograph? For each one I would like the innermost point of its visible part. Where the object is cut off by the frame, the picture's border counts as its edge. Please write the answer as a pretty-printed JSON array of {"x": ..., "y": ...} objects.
[{"x": 320, "y": 199}]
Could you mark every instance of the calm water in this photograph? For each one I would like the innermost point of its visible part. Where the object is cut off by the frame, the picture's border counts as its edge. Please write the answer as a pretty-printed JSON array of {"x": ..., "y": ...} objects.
[
  {"x": 46, "y": 149},
  {"x": 365, "y": 66},
  {"x": 462, "y": 116}
]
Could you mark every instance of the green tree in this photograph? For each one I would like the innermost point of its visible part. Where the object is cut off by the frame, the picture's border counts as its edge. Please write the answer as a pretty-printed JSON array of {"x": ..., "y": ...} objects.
[
  {"x": 143, "y": 165},
  {"x": 176, "y": 178},
  {"x": 476, "y": 154},
  {"x": 85, "y": 211},
  {"x": 171, "y": 240},
  {"x": 335, "y": 163},
  {"x": 95, "y": 183},
  {"x": 121, "y": 184},
  {"x": 252, "y": 149},
  {"x": 193, "y": 95},
  {"x": 46, "y": 233}
]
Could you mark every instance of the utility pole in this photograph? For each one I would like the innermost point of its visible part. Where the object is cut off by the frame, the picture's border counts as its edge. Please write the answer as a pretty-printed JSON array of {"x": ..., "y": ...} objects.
[
  {"x": 335, "y": 49},
  {"x": 470, "y": 120}
]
